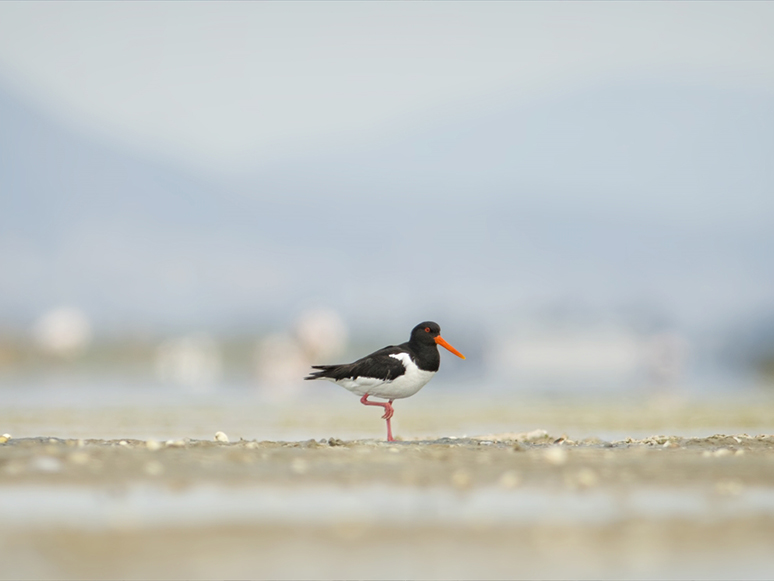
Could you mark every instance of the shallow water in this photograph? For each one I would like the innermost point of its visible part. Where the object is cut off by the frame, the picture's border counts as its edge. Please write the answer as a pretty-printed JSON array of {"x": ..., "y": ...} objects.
[{"x": 148, "y": 506}]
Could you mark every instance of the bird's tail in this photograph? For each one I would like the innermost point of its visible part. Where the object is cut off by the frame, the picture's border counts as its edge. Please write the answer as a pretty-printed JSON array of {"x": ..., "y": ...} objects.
[{"x": 325, "y": 371}]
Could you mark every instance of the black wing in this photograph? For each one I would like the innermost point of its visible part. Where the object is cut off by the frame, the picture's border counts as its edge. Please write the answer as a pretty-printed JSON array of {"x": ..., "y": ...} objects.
[{"x": 379, "y": 365}]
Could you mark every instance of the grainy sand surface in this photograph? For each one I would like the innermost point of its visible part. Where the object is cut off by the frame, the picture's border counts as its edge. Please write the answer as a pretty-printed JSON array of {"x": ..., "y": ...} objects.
[{"x": 535, "y": 501}]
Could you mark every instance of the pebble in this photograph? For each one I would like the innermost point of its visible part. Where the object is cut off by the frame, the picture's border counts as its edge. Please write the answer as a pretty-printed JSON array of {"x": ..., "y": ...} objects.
[
  {"x": 4, "y": 438},
  {"x": 175, "y": 443},
  {"x": 221, "y": 437},
  {"x": 251, "y": 445},
  {"x": 123, "y": 443},
  {"x": 719, "y": 453},
  {"x": 555, "y": 455},
  {"x": 153, "y": 445}
]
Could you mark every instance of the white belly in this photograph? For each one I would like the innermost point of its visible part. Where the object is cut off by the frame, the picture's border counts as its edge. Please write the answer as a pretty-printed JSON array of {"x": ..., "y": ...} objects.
[{"x": 406, "y": 385}]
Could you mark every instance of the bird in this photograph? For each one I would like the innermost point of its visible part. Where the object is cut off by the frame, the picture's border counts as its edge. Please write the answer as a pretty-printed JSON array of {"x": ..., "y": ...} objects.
[{"x": 394, "y": 372}]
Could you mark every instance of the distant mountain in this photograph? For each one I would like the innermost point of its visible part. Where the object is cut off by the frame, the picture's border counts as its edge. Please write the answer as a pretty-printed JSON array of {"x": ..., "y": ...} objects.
[
  {"x": 87, "y": 224},
  {"x": 621, "y": 194},
  {"x": 618, "y": 197}
]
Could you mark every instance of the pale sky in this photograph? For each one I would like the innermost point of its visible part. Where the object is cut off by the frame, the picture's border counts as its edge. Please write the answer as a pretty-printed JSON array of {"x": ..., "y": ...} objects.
[{"x": 228, "y": 86}]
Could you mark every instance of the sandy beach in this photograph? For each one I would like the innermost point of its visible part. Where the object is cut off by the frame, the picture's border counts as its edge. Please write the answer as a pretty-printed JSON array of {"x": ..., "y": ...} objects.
[{"x": 526, "y": 504}]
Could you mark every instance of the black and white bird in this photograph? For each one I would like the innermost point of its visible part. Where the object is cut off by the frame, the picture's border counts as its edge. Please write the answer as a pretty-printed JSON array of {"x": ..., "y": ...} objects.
[{"x": 395, "y": 372}]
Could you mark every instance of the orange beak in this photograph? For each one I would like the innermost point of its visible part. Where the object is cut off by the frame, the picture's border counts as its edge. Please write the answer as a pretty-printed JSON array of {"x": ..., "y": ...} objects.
[{"x": 442, "y": 342}]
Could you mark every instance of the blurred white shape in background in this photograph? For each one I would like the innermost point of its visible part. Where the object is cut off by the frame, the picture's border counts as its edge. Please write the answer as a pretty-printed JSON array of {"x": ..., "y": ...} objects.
[
  {"x": 322, "y": 334},
  {"x": 192, "y": 360},
  {"x": 64, "y": 331},
  {"x": 665, "y": 358},
  {"x": 280, "y": 365},
  {"x": 573, "y": 353},
  {"x": 603, "y": 356},
  {"x": 282, "y": 360}
]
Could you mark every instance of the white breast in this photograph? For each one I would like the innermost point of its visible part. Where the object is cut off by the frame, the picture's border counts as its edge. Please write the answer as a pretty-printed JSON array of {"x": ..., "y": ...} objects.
[{"x": 406, "y": 385}]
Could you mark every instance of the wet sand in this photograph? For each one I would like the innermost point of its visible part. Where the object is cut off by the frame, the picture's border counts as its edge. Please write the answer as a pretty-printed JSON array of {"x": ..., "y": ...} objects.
[
  {"x": 534, "y": 458},
  {"x": 498, "y": 506},
  {"x": 137, "y": 487}
]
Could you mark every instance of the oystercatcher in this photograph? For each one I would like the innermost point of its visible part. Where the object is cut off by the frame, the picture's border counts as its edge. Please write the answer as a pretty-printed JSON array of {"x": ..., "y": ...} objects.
[{"x": 395, "y": 372}]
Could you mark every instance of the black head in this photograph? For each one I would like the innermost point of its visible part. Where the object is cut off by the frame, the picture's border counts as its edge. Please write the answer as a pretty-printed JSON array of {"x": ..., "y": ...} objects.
[
  {"x": 425, "y": 332},
  {"x": 429, "y": 333}
]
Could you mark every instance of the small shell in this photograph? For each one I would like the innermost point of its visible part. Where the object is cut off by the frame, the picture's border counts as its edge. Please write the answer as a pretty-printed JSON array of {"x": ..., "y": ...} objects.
[{"x": 153, "y": 445}]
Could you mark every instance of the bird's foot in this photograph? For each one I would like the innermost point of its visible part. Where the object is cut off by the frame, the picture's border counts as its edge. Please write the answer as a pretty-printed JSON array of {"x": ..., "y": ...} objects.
[{"x": 388, "y": 411}]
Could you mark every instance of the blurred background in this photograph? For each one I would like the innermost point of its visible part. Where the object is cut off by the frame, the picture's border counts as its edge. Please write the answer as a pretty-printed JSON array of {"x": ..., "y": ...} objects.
[
  {"x": 198, "y": 200},
  {"x": 209, "y": 197}
]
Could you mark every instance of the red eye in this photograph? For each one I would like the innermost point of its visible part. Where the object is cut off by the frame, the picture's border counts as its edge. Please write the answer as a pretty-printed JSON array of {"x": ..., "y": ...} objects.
[{"x": 427, "y": 329}]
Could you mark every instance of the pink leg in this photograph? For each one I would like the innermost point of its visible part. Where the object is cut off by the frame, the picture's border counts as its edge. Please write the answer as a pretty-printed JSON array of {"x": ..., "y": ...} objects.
[
  {"x": 387, "y": 416},
  {"x": 388, "y": 411}
]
